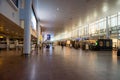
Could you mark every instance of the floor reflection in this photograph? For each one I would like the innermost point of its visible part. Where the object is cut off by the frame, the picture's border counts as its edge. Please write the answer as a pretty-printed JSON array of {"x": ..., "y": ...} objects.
[{"x": 60, "y": 64}]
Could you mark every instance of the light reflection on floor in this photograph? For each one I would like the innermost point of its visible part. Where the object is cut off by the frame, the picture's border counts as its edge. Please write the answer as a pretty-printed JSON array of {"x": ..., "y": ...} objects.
[{"x": 60, "y": 64}]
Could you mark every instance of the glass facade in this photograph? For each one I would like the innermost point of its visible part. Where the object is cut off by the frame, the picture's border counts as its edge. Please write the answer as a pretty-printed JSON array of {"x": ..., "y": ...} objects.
[{"x": 97, "y": 29}]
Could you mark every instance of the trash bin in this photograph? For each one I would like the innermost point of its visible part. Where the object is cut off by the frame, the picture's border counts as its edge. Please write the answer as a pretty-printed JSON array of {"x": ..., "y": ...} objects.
[{"x": 118, "y": 52}]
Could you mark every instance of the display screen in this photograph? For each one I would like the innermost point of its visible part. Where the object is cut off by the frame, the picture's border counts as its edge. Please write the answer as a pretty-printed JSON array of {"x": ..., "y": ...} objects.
[
  {"x": 15, "y": 2},
  {"x": 48, "y": 36}
]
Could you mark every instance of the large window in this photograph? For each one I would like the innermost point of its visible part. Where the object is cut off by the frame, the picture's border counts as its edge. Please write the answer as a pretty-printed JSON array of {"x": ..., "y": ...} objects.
[
  {"x": 91, "y": 28},
  {"x": 86, "y": 30},
  {"x": 80, "y": 31},
  {"x": 33, "y": 21},
  {"x": 113, "y": 20},
  {"x": 15, "y": 2},
  {"x": 102, "y": 23},
  {"x": 119, "y": 18}
]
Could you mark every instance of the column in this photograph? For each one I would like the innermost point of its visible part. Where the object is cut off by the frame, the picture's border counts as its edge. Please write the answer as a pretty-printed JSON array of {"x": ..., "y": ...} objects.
[
  {"x": 38, "y": 33},
  {"x": 27, "y": 34},
  {"x": 8, "y": 43},
  {"x": 117, "y": 29},
  {"x": 107, "y": 29},
  {"x": 16, "y": 45},
  {"x": 40, "y": 36}
]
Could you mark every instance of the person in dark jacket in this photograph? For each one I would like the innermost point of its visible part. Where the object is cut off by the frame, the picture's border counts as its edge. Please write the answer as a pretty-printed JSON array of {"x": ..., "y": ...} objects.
[{"x": 62, "y": 45}]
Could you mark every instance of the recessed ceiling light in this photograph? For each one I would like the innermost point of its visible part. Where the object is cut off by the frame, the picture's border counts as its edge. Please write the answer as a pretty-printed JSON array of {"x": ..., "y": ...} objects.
[
  {"x": 58, "y": 9},
  {"x": 105, "y": 7}
]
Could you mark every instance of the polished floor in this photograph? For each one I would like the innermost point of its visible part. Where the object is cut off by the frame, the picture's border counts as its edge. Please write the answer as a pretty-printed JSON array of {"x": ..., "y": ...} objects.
[{"x": 60, "y": 64}]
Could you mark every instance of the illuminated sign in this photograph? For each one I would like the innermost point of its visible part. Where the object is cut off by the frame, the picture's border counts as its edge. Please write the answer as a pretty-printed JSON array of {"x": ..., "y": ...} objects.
[{"x": 48, "y": 36}]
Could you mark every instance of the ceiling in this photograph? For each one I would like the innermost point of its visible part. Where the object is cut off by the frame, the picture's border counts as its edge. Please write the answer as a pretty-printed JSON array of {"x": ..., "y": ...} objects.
[{"x": 59, "y": 15}]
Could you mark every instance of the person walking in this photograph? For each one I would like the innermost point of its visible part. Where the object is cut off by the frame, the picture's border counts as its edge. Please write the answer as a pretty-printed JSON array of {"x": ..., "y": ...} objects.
[{"x": 62, "y": 45}]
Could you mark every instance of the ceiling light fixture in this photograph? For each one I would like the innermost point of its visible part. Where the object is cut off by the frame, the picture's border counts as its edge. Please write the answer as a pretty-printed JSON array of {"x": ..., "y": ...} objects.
[
  {"x": 105, "y": 7},
  {"x": 58, "y": 9}
]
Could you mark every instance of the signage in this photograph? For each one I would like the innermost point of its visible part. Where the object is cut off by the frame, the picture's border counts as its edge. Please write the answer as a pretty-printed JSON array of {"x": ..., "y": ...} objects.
[{"x": 48, "y": 36}]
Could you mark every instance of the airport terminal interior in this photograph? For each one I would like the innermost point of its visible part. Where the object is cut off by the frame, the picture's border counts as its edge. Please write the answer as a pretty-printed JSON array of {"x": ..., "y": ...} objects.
[{"x": 59, "y": 39}]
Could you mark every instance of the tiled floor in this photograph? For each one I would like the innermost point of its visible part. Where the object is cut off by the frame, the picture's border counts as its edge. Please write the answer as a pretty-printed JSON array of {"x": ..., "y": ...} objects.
[{"x": 60, "y": 64}]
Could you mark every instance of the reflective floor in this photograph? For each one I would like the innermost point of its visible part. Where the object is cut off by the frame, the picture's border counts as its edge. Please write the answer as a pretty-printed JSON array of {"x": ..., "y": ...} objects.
[{"x": 60, "y": 64}]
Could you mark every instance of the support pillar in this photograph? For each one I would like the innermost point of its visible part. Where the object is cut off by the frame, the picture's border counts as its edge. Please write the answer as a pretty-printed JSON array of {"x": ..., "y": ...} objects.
[
  {"x": 38, "y": 33},
  {"x": 16, "y": 45},
  {"x": 27, "y": 34},
  {"x": 117, "y": 30},
  {"x": 40, "y": 37},
  {"x": 8, "y": 43},
  {"x": 107, "y": 29}
]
